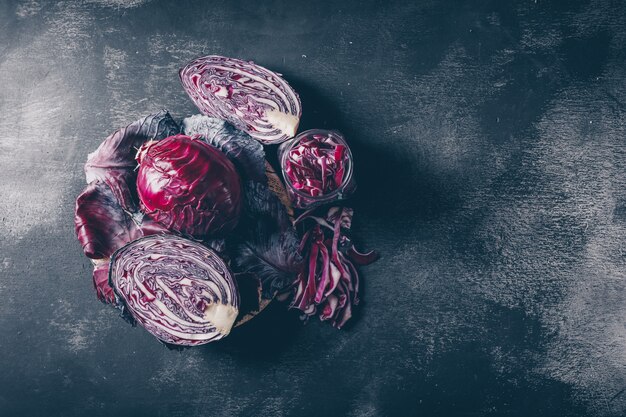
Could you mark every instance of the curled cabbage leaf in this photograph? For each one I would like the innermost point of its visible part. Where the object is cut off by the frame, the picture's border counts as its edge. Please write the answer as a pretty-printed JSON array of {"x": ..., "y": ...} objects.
[
  {"x": 106, "y": 214},
  {"x": 114, "y": 161},
  {"x": 250, "y": 97},
  {"x": 246, "y": 153},
  {"x": 266, "y": 244},
  {"x": 179, "y": 290},
  {"x": 103, "y": 226}
]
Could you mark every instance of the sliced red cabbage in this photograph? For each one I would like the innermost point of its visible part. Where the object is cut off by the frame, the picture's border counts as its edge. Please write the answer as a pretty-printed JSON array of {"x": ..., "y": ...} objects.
[
  {"x": 103, "y": 226},
  {"x": 328, "y": 283},
  {"x": 188, "y": 186},
  {"x": 179, "y": 290},
  {"x": 316, "y": 165},
  {"x": 250, "y": 97},
  {"x": 114, "y": 161}
]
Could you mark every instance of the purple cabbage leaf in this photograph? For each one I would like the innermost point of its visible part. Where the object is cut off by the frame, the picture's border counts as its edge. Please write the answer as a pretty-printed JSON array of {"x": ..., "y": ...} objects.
[
  {"x": 246, "y": 153},
  {"x": 114, "y": 161},
  {"x": 103, "y": 226},
  {"x": 265, "y": 243}
]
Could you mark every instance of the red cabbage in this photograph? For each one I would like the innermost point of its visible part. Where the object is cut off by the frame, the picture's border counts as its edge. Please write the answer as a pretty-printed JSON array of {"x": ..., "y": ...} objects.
[
  {"x": 188, "y": 186},
  {"x": 328, "y": 284},
  {"x": 250, "y": 97},
  {"x": 106, "y": 216},
  {"x": 177, "y": 289}
]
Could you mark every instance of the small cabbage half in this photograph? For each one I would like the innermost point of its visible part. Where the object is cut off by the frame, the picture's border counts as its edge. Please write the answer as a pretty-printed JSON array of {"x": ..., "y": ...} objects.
[{"x": 249, "y": 96}]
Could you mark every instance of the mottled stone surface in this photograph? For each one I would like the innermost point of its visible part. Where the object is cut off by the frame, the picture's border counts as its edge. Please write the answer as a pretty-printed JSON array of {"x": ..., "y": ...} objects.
[{"x": 490, "y": 145}]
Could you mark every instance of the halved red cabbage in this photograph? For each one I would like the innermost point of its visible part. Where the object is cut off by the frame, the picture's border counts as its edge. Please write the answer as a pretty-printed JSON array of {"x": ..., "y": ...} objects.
[
  {"x": 328, "y": 284},
  {"x": 188, "y": 186},
  {"x": 177, "y": 289},
  {"x": 250, "y": 97}
]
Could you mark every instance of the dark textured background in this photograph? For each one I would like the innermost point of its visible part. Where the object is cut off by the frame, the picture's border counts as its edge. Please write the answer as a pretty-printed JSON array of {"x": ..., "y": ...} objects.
[{"x": 490, "y": 148}]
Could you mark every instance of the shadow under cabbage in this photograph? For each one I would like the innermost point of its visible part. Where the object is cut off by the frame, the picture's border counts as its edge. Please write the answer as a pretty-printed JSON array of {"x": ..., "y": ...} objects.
[{"x": 264, "y": 337}]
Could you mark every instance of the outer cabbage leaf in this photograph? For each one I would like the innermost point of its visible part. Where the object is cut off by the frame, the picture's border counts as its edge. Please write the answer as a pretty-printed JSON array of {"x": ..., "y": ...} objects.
[
  {"x": 102, "y": 226},
  {"x": 266, "y": 243},
  {"x": 114, "y": 161},
  {"x": 246, "y": 153},
  {"x": 250, "y": 295}
]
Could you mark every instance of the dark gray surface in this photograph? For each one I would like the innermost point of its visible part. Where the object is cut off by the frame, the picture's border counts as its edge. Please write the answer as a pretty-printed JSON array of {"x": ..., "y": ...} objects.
[{"x": 490, "y": 148}]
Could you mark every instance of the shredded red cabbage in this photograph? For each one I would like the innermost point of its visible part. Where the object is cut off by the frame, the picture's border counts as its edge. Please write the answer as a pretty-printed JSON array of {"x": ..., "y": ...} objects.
[
  {"x": 328, "y": 283},
  {"x": 317, "y": 164}
]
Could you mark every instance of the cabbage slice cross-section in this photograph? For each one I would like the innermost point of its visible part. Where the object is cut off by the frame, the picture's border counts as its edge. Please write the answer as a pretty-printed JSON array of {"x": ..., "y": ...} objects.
[
  {"x": 177, "y": 289},
  {"x": 250, "y": 97}
]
